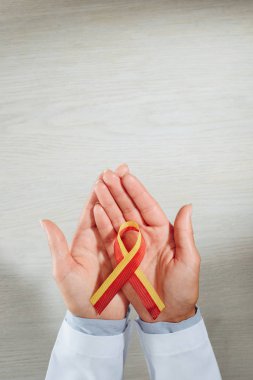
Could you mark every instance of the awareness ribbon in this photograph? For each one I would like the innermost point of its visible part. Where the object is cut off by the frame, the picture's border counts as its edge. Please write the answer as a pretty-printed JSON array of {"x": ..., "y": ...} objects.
[{"x": 127, "y": 270}]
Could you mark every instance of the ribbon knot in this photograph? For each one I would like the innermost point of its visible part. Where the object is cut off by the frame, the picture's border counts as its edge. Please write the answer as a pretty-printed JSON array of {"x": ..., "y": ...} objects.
[{"x": 127, "y": 270}]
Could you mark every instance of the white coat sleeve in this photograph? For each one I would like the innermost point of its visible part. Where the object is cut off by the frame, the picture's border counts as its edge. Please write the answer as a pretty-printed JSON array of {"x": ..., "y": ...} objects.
[
  {"x": 79, "y": 356},
  {"x": 183, "y": 355}
]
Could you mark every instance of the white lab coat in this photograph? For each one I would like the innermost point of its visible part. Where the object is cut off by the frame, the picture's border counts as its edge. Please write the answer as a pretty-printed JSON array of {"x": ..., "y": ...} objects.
[{"x": 183, "y": 355}]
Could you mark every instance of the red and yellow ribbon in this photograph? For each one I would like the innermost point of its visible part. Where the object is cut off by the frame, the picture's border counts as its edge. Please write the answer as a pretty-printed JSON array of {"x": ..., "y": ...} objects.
[{"x": 127, "y": 270}]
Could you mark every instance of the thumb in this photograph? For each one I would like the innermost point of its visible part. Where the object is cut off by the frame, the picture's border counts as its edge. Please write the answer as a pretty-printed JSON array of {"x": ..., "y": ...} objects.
[
  {"x": 59, "y": 249},
  {"x": 183, "y": 234}
]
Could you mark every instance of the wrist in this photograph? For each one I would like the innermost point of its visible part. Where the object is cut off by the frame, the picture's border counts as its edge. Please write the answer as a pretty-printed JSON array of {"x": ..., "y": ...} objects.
[
  {"x": 104, "y": 316},
  {"x": 169, "y": 327},
  {"x": 181, "y": 317},
  {"x": 172, "y": 317},
  {"x": 98, "y": 327}
]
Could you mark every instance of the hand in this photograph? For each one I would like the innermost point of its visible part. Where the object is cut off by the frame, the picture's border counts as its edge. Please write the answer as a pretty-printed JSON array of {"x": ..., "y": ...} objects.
[
  {"x": 79, "y": 270},
  {"x": 171, "y": 262}
]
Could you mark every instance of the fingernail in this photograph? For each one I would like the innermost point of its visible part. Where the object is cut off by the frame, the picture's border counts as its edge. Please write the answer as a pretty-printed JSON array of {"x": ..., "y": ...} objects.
[
  {"x": 105, "y": 172},
  {"x": 42, "y": 223},
  {"x": 123, "y": 170},
  {"x": 44, "y": 227},
  {"x": 98, "y": 207},
  {"x": 108, "y": 174}
]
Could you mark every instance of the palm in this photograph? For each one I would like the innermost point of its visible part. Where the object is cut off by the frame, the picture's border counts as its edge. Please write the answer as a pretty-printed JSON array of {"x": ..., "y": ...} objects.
[
  {"x": 180, "y": 287},
  {"x": 91, "y": 266},
  {"x": 80, "y": 270},
  {"x": 166, "y": 273},
  {"x": 176, "y": 280}
]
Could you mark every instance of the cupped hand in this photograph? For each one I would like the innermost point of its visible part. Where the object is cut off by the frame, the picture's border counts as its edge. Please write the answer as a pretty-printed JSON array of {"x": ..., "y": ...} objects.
[
  {"x": 80, "y": 269},
  {"x": 171, "y": 262}
]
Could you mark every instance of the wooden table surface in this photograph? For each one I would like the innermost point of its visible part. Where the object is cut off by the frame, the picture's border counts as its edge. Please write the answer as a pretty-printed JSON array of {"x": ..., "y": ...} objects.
[{"x": 166, "y": 86}]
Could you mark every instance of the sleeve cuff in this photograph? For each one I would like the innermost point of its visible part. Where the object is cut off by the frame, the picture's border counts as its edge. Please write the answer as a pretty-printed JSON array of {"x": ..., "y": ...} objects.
[
  {"x": 180, "y": 341},
  {"x": 93, "y": 346},
  {"x": 169, "y": 327},
  {"x": 97, "y": 327}
]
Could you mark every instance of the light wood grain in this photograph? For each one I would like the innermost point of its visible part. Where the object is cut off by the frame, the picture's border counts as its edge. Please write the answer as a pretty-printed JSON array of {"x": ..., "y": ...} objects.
[{"x": 163, "y": 85}]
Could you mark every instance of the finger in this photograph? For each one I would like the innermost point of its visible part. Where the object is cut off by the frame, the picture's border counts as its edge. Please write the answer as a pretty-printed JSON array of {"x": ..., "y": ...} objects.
[
  {"x": 87, "y": 217},
  {"x": 109, "y": 205},
  {"x": 59, "y": 249},
  {"x": 149, "y": 209},
  {"x": 183, "y": 235},
  {"x": 122, "y": 169},
  {"x": 105, "y": 229},
  {"x": 126, "y": 205}
]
